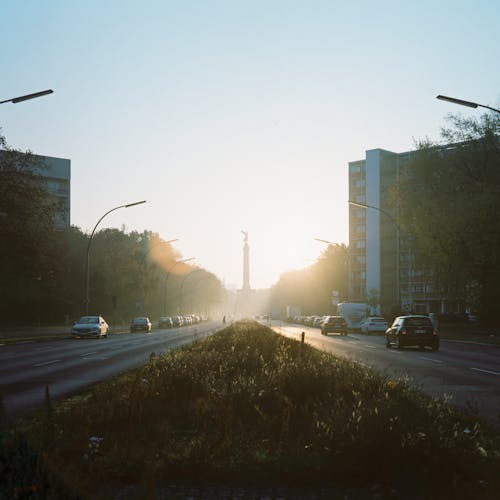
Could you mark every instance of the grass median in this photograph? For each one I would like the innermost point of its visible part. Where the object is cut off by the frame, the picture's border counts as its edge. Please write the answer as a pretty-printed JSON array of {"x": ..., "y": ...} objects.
[{"x": 247, "y": 405}]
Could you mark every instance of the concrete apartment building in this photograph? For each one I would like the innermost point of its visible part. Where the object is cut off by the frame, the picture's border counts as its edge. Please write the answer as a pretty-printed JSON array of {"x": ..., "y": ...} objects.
[
  {"x": 56, "y": 173},
  {"x": 380, "y": 253}
]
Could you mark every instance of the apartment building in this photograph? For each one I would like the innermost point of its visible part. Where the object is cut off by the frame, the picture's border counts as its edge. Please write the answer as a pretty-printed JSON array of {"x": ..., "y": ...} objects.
[
  {"x": 380, "y": 258},
  {"x": 56, "y": 174}
]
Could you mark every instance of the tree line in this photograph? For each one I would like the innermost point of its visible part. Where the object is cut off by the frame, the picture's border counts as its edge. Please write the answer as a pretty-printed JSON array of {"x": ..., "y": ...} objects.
[
  {"x": 446, "y": 202},
  {"x": 314, "y": 288},
  {"x": 449, "y": 200},
  {"x": 42, "y": 270}
]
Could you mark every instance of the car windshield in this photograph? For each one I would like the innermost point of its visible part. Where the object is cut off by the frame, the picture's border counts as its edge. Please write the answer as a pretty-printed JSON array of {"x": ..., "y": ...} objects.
[
  {"x": 88, "y": 320},
  {"x": 140, "y": 320}
]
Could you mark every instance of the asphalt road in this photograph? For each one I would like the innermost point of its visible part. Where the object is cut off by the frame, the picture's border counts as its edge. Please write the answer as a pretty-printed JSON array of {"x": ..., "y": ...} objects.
[
  {"x": 466, "y": 372},
  {"x": 68, "y": 365}
]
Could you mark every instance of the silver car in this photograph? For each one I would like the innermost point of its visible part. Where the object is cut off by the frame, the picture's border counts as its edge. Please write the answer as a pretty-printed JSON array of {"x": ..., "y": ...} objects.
[{"x": 90, "y": 327}]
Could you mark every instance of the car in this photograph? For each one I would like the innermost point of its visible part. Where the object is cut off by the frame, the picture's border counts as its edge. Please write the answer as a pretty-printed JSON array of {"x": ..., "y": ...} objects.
[
  {"x": 334, "y": 324},
  {"x": 177, "y": 321},
  {"x": 317, "y": 321},
  {"x": 90, "y": 327},
  {"x": 165, "y": 322},
  {"x": 141, "y": 324},
  {"x": 412, "y": 330},
  {"x": 374, "y": 324}
]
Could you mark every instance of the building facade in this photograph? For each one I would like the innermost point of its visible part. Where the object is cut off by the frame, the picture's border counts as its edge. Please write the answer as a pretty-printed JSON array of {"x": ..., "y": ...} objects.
[
  {"x": 57, "y": 177},
  {"x": 380, "y": 253}
]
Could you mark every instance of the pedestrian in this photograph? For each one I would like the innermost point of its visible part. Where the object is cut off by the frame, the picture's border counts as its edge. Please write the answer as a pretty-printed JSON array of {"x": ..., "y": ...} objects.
[{"x": 224, "y": 320}]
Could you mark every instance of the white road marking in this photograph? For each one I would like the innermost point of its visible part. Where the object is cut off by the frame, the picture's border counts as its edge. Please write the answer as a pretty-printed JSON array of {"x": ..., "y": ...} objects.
[
  {"x": 8, "y": 355},
  {"x": 48, "y": 362},
  {"x": 88, "y": 354},
  {"x": 370, "y": 346},
  {"x": 491, "y": 372},
  {"x": 433, "y": 360}
]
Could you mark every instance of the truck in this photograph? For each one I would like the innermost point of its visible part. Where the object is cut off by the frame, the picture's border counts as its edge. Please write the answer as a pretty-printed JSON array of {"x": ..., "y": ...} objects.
[{"x": 353, "y": 313}]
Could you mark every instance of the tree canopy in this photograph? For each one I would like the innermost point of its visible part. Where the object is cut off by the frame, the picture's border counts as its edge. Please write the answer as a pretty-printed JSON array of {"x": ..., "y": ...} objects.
[
  {"x": 311, "y": 289},
  {"x": 449, "y": 199},
  {"x": 42, "y": 270}
]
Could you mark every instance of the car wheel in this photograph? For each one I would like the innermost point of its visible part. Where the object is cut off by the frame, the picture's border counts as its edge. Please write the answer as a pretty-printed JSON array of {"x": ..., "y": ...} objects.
[
  {"x": 400, "y": 344},
  {"x": 435, "y": 346},
  {"x": 387, "y": 343}
]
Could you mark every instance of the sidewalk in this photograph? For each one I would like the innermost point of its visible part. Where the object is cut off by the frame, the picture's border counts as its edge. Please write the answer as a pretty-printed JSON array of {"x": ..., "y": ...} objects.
[{"x": 470, "y": 333}]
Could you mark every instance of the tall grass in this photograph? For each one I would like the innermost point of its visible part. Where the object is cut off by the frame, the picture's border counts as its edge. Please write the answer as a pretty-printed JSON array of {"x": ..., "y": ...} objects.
[{"x": 249, "y": 403}]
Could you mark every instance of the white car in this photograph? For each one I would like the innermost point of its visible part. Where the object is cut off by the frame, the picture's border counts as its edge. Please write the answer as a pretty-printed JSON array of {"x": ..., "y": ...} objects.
[
  {"x": 374, "y": 324},
  {"x": 90, "y": 326}
]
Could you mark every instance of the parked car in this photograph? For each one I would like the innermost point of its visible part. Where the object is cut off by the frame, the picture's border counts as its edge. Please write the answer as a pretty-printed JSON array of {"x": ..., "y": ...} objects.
[
  {"x": 141, "y": 324},
  {"x": 317, "y": 321},
  {"x": 165, "y": 322},
  {"x": 177, "y": 321},
  {"x": 374, "y": 324},
  {"x": 334, "y": 324},
  {"x": 91, "y": 327},
  {"x": 412, "y": 330}
]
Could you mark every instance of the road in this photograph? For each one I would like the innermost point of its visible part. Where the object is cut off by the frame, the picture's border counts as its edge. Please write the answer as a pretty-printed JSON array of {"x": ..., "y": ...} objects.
[
  {"x": 466, "y": 372},
  {"x": 67, "y": 366}
]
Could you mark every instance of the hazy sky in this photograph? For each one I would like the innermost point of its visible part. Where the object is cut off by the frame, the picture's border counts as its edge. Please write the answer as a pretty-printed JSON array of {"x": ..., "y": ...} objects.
[{"x": 230, "y": 115}]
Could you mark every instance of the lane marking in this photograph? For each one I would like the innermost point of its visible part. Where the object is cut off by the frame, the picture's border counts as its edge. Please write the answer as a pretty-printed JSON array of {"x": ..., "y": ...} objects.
[
  {"x": 433, "y": 360},
  {"x": 88, "y": 354},
  {"x": 491, "y": 372},
  {"x": 48, "y": 362},
  {"x": 8, "y": 355},
  {"x": 370, "y": 346}
]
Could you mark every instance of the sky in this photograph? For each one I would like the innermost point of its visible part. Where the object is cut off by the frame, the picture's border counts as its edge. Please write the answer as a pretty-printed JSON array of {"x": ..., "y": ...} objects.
[{"x": 236, "y": 115}]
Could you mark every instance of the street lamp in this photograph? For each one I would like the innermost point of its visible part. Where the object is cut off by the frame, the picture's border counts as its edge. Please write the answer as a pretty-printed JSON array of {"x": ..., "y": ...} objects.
[
  {"x": 182, "y": 286},
  {"x": 87, "y": 265},
  {"x": 331, "y": 243},
  {"x": 27, "y": 97},
  {"x": 469, "y": 104},
  {"x": 398, "y": 229},
  {"x": 141, "y": 267},
  {"x": 166, "y": 281}
]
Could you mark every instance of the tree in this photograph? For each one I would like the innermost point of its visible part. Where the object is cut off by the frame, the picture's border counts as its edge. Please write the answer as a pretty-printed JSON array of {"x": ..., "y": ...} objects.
[
  {"x": 449, "y": 199},
  {"x": 311, "y": 288},
  {"x": 30, "y": 244}
]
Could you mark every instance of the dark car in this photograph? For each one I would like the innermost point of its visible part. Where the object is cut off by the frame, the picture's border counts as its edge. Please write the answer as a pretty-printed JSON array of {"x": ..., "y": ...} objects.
[
  {"x": 142, "y": 324},
  {"x": 334, "y": 324},
  {"x": 165, "y": 322},
  {"x": 412, "y": 330}
]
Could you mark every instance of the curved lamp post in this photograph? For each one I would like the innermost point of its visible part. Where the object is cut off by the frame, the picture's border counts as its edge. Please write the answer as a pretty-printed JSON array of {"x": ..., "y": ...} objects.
[
  {"x": 331, "y": 243},
  {"x": 469, "y": 104},
  {"x": 166, "y": 281},
  {"x": 182, "y": 286},
  {"x": 87, "y": 265},
  {"x": 143, "y": 260},
  {"x": 398, "y": 230},
  {"x": 15, "y": 100}
]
